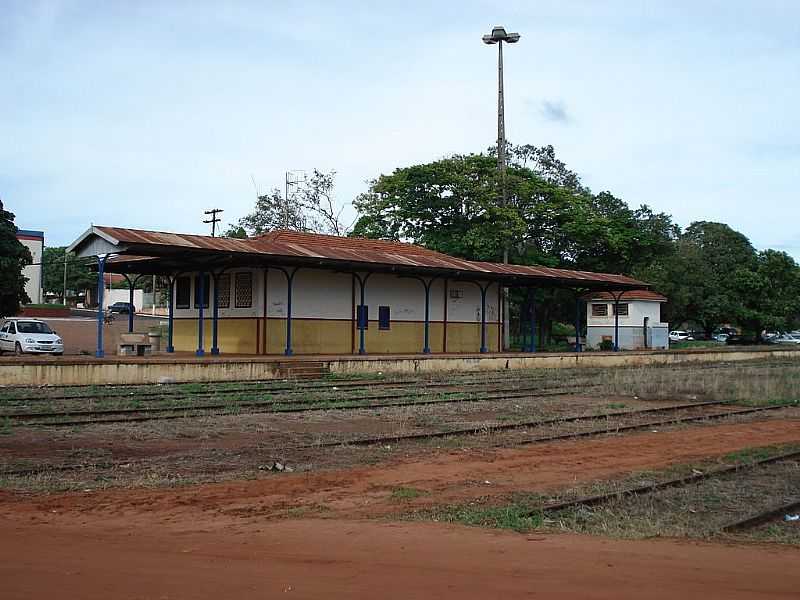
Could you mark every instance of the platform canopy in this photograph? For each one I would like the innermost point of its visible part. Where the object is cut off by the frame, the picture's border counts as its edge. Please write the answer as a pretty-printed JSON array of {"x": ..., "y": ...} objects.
[{"x": 136, "y": 251}]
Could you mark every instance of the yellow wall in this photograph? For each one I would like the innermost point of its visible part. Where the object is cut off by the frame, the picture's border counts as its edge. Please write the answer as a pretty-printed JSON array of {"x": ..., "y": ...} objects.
[
  {"x": 309, "y": 336},
  {"x": 466, "y": 337},
  {"x": 323, "y": 336},
  {"x": 236, "y": 336}
]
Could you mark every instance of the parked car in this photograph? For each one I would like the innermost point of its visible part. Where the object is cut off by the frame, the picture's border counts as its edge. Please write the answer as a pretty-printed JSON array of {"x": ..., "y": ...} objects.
[
  {"x": 680, "y": 336},
  {"x": 786, "y": 338},
  {"x": 122, "y": 308},
  {"x": 741, "y": 340},
  {"x": 29, "y": 336},
  {"x": 720, "y": 337}
]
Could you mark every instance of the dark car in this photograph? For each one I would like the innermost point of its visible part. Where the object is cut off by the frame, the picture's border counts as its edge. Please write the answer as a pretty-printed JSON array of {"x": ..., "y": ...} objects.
[
  {"x": 741, "y": 340},
  {"x": 122, "y": 308}
]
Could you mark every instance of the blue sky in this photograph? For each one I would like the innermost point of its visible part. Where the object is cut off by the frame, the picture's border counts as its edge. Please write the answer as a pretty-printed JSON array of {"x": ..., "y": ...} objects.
[{"x": 145, "y": 114}]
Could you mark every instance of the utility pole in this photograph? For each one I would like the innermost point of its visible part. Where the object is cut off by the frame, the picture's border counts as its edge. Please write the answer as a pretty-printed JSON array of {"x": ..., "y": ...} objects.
[
  {"x": 498, "y": 36},
  {"x": 213, "y": 220},
  {"x": 64, "y": 297}
]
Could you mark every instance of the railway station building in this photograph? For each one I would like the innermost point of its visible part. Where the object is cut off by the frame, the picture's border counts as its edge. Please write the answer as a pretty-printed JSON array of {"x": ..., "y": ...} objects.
[{"x": 288, "y": 292}]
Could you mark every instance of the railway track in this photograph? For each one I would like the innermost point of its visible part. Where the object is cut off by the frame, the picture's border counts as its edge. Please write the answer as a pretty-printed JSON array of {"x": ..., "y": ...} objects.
[
  {"x": 137, "y": 415},
  {"x": 670, "y": 483},
  {"x": 469, "y": 431},
  {"x": 284, "y": 390},
  {"x": 528, "y": 424},
  {"x": 144, "y": 392},
  {"x": 762, "y": 517}
]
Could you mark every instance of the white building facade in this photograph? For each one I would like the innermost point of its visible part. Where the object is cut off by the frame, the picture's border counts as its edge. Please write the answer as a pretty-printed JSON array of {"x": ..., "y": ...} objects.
[
  {"x": 640, "y": 325},
  {"x": 33, "y": 241}
]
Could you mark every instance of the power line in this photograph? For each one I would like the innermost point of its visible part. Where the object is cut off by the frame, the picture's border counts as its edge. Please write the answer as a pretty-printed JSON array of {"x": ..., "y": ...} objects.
[{"x": 213, "y": 220}]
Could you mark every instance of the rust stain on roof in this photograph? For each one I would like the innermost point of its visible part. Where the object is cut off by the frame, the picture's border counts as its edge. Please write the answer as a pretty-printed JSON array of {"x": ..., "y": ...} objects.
[{"x": 354, "y": 250}]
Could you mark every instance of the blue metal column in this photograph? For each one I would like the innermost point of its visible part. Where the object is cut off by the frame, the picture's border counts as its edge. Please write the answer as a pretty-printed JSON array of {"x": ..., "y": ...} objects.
[
  {"x": 616, "y": 324},
  {"x": 289, "y": 285},
  {"x": 484, "y": 349},
  {"x": 130, "y": 303},
  {"x": 215, "y": 318},
  {"x": 288, "y": 351},
  {"x": 363, "y": 319},
  {"x": 101, "y": 288},
  {"x": 201, "y": 291},
  {"x": 171, "y": 315},
  {"x": 426, "y": 349},
  {"x": 578, "y": 324},
  {"x": 533, "y": 321}
]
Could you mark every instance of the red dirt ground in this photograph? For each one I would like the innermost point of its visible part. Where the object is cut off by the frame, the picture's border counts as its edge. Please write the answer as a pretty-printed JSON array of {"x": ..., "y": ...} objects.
[
  {"x": 217, "y": 541},
  {"x": 339, "y": 559},
  {"x": 449, "y": 476}
]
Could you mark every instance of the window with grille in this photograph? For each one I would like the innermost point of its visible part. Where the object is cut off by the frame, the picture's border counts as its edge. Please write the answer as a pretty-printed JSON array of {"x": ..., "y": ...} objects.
[
  {"x": 206, "y": 290},
  {"x": 384, "y": 318},
  {"x": 244, "y": 290},
  {"x": 622, "y": 309},
  {"x": 456, "y": 293},
  {"x": 224, "y": 291},
  {"x": 183, "y": 292},
  {"x": 599, "y": 310},
  {"x": 362, "y": 316}
]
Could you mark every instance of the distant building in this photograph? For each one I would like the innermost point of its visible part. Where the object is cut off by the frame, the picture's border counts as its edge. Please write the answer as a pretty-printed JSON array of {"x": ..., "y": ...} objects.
[
  {"x": 33, "y": 241},
  {"x": 640, "y": 325}
]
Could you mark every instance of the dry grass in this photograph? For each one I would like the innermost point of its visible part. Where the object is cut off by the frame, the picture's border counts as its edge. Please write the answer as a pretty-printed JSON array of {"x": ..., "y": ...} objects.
[
  {"x": 696, "y": 510},
  {"x": 755, "y": 383}
]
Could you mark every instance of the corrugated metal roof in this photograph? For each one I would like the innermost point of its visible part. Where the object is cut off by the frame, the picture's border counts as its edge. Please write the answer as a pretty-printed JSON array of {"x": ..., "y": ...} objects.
[
  {"x": 628, "y": 295},
  {"x": 292, "y": 244}
]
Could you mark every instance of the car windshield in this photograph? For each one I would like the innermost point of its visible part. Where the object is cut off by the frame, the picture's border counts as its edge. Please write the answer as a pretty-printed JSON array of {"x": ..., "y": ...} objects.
[{"x": 33, "y": 327}]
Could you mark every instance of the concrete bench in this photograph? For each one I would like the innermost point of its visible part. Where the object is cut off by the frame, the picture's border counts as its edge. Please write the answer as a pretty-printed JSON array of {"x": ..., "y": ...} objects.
[{"x": 134, "y": 344}]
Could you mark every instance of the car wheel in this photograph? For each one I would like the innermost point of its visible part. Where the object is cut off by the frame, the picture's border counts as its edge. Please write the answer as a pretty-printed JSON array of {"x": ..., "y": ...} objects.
[
  {"x": 58, "y": 353},
  {"x": 18, "y": 350}
]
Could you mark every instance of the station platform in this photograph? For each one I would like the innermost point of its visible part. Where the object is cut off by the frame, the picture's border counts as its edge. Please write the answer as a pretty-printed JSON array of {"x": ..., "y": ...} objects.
[{"x": 186, "y": 367}]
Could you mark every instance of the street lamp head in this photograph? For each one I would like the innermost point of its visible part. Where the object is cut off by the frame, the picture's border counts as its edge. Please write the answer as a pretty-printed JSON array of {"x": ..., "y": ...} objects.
[{"x": 499, "y": 35}]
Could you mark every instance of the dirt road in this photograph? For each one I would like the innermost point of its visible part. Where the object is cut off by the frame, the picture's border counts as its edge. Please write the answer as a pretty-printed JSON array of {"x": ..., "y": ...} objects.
[
  {"x": 324, "y": 559},
  {"x": 254, "y": 539}
]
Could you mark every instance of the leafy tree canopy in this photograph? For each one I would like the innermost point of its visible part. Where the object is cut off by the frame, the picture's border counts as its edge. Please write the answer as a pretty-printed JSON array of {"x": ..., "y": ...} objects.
[
  {"x": 79, "y": 276},
  {"x": 14, "y": 257},
  {"x": 453, "y": 205}
]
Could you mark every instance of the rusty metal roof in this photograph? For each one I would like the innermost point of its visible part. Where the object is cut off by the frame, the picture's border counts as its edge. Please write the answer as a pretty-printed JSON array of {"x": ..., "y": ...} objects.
[
  {"x": 628, "y": 295},
  {"x": 319, "y": 249}
]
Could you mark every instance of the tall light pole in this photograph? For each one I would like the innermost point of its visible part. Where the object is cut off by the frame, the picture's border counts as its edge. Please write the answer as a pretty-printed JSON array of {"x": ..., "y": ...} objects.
[{"x": 498, "y": 36}]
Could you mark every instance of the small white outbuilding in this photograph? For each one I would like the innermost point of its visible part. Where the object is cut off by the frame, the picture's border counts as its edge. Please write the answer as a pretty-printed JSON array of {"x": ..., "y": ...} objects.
[{"x": 640, "y": 325}]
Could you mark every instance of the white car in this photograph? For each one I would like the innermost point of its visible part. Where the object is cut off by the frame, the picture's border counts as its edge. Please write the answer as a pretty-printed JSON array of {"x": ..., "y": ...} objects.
[
  {"x": 29, "y": 336},
  {"x": 786, "y": 338},
  {"x": 679, "y": 336}
]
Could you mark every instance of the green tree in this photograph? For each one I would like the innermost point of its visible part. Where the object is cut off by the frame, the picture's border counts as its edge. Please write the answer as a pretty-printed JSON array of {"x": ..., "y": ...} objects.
[
  {"x": 14, "y": 257},
  {"x": 452, "y": 205},
  {"x": 771, "y": 293},
  {"x": 236, "y": 232},
  {"x": 79, "y": 276},
  {"x": 706, "y": 276}
]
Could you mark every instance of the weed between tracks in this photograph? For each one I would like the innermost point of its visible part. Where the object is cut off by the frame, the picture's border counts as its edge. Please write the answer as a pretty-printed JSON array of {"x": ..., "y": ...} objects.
[{"x": 697, "y": 510}]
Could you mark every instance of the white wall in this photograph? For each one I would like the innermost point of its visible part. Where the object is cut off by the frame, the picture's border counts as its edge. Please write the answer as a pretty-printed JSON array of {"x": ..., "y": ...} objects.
[
  {"x": 255, "y": 310},
  {"x": 467, "y": 309},
  {"x": 637, "y": 311},
  {"x": 324, "y": 294},
  {"x": 33, "y": 287}
]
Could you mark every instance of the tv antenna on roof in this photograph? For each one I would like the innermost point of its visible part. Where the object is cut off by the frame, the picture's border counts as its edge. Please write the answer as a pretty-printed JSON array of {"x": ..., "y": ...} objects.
[{"x": 293, "y": 178}]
